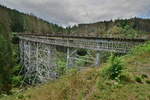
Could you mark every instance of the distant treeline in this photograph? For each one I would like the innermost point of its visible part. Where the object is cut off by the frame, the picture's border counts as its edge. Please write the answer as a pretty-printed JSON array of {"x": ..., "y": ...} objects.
[
  {"x": 134, "y": 27},
  {"x": 20, "y": 22}
]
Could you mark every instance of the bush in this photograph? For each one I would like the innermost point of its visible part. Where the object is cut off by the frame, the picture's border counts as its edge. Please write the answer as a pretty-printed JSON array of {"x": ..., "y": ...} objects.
[
  {"x": 144, "y": 76},
  {"x": 141, "y": 49},
  {"x": 114, "y": 69},
  {"x": 147, "y": 81},
  {"x": 16, "y": 79},
  {"x": 61, "y": 67},
  {"x": 138, "y": 79}
]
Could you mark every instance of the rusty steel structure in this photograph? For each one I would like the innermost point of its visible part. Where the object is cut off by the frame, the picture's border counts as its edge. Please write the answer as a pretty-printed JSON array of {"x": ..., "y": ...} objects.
[{"x": 38, "y": 53}]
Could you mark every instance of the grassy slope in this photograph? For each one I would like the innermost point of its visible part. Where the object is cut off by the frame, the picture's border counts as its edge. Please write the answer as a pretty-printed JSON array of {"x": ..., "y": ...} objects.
[{"x": 90, "y": 85}]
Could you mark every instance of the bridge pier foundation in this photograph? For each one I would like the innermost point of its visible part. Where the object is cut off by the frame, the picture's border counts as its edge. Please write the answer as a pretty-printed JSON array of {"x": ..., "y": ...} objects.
[
  {"x": 68, "y": 56},
  {"x": 98, "y": 59},
  {"x": 71, "y": 55}
]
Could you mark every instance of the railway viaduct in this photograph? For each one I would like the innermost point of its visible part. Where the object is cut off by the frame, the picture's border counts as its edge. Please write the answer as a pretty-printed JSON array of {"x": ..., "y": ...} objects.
[{"x": 38, "y": 52}]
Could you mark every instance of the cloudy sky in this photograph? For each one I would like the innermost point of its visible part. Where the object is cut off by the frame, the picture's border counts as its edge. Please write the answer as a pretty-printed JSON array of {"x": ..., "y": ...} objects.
[{"x": 70, "y": 12}]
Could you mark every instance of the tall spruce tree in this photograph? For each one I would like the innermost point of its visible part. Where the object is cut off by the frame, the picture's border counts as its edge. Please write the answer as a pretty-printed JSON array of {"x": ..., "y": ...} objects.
[{"x": 6, "y": 62}]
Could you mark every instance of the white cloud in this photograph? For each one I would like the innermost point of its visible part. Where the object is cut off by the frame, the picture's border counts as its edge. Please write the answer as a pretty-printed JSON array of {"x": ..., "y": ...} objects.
[{"x": 68, "y": 12}]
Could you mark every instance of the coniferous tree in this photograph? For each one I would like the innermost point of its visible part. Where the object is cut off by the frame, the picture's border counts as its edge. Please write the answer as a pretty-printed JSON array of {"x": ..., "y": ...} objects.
[{"x": 6, "y": 62}]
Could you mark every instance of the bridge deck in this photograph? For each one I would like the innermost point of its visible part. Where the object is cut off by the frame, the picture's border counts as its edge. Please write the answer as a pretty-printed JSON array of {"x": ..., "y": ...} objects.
[
  {"x": 85, "y": 37},
  {"x": 99, "y": 44}
]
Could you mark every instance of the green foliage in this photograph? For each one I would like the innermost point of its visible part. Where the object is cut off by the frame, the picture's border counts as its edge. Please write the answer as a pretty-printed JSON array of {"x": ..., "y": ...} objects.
[
  {"x": 115, "y": 30},
  {"x": 138, "y": 79},
  {"x": 143, "y": 76},
  {"x": 124, "y": 30},
  {"x": 131, "y": 28},
  {"x": 81, "y": 61},
  {"x": 114, "y": 69},
  {"x": 17, "y": 22},
  {"x": 129, "y": 31},
  {"x": 84, "y": 57},
  {"x": 147, "y": 81},
  {"x": 61, "y": 67},
  {"x": 16, "y": 80},
  {"x": 6, "y": 62},
  {"x": 61, "y": 64},
  {"x": 139, "y": 50},
  {"x": 20, "y": 22}
]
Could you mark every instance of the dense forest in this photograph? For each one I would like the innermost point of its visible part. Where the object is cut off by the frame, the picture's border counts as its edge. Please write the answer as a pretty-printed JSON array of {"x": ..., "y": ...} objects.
[
  {"x": 20, "y": 22},
  {"x": 13, "y": 21},
  {"x": 6, "y": 61},
  {"x": 131, "y": 28}
]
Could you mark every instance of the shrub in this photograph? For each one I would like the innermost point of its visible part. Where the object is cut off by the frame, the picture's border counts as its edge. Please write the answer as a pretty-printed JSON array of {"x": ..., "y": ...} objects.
[
  {"x": 16, "y": 80},
  {"x": 138, "y": 79},
  {"x": 144, "y": 76},
  {"x": 61, "y": 67},
  {"x": 114, "y": 69},
  {"x": 147, "y": 81},
  {"x": 141, "y": 49}
]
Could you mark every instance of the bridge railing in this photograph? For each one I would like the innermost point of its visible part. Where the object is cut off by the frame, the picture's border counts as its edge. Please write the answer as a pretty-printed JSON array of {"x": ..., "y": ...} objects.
[
  {"x": 107, "y": 36},
  {"x": 121, "y": 46}
]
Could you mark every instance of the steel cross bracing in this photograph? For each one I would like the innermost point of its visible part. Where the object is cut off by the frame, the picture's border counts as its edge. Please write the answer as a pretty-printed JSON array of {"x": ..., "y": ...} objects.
[
  {"x": 73, "y": 58},
  {"x": 38, "y": 53},
  {"x": 38, "y": 60}
]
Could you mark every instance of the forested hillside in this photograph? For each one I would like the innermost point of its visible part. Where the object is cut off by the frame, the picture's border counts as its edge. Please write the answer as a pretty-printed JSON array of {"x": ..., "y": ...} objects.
[
  {"x": 131, "y": 28},
  {"x": 20, "y": 22}
]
